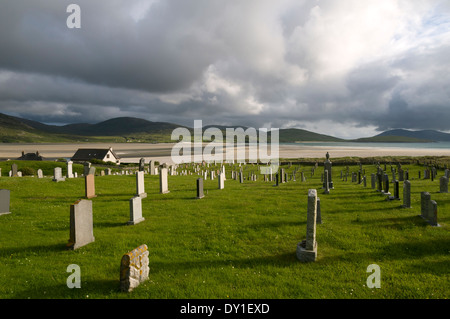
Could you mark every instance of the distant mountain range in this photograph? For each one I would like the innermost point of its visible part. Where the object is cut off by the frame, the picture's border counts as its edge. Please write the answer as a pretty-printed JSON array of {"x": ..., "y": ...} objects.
[{"x": 130, "y": 129}]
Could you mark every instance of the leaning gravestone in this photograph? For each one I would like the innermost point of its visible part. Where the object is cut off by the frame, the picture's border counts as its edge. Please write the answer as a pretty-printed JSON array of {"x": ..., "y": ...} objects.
[
  {"x": 134, "y": 268},
  {"x": 4, "y": 201},
  {"x": 307, "y": 249},
  {"x": 57, "y": 176},
  {"x": 81, "y": 224},
  {"x": 89, "y": 185},
  {"x": 135, "y": 211},
  {"x": 163, "y": 184},
  {"x": 140, "y": 186}
]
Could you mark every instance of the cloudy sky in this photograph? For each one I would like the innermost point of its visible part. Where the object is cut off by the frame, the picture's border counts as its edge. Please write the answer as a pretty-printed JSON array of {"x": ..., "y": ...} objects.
[{"x": 348, "y": 68}]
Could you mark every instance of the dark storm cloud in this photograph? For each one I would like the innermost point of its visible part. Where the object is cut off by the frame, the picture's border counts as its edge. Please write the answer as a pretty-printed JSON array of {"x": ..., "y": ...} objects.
[{"x": 314, "y": 64}]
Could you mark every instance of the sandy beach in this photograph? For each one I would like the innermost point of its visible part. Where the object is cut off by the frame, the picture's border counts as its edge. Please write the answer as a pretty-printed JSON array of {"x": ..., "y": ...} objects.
[{"x": 132, "y": 152}]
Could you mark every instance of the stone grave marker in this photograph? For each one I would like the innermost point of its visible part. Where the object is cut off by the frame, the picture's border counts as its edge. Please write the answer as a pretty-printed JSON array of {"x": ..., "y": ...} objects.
[
  {"x": 163, "y": 183},
  {"x": 443, "y": 184},
  {"x": 89, "y": 186},
  {"x": 14, "y": 169},
  {"x": 81, "y": 224},
  {"x": 136, "y": 210},
  {"x": 307, "y": 249},
  {"x": 200, "y": 193},
  {"x": 39, "y": 173},
  {"x": 134, "y": 268},
  {"x": 5, "y": 201},
  {"x": 69, "y": 169},
  {"x": 406, "y": 194},
  {"x": 57, "y": 175},
  {"x": 140, "y": 186},
  {"x": 221, "y": 180}
]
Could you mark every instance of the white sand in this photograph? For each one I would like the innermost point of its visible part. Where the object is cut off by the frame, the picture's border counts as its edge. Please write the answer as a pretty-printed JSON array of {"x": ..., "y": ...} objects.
[{"x": 132, "y": 152}]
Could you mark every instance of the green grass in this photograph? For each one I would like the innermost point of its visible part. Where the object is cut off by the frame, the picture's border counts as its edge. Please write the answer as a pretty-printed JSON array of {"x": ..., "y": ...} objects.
[{"x": 239, "y": 242}]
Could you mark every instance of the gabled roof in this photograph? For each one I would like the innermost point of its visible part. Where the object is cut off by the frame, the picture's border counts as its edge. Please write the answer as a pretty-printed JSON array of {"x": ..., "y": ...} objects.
[{"x": 85, "y": 154}]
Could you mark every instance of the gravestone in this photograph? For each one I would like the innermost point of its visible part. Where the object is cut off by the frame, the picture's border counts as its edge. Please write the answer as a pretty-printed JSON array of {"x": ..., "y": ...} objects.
[
  {"x": 200, "y": 193},
  {"x": 14, "y": 169},
  {"x": 163, "y": 183},
  {"x": 364, "y": 181},
  {"x": 406, "y": 194},
  {"x": 425, "y": 199},
  {"x": 57, "y": 175},
  {"x": 69, "y": 169},
  {"x": 134, "y": 268},
  {"x": 326, "y": 183},
  {"x": 443, "y": 185},
  {"x": 151, "y": 167},
  {"x": 140, "y": 186},
  {"x": 221, "y": 180},
  {"x": 372, "y": 180},
  {"x": 135, "y": 210},
  {"x": 89, "y": 186},
  {"x": 386, "y": 185},
  {"x": 39, "y": 173},
  {"x": 307, "y": 249},
  {"x": 81, "y": 224},
  {"x": 396, "y": 191},
  {"x": 91, "y": 171},
  {"x": 432, "y": 214},
  {"x": 327, "y": 168},
  {"x": 86, "y": 167},
  {"x": 319, "y": 214},
  {"x": 241, "y": 177},
  {"x": 5, "y": 201},
  {"x": 141, "y": 165}
]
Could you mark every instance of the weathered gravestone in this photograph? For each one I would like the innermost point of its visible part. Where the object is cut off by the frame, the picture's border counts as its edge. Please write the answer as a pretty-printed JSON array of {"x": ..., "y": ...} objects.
[
  {"x": 135, "y": 211},
  {"x": 81, "y": 224},
  {"x": 406, "y": 194},
  {"x": 326, "y": 184},
  {"x": 141, "y": 165},
  {"x": 327, "y": 168},
  {"x": 428, "y": 209},
  {"x": 443, "y": 184},
  {"x": 163, "y": 184},
  {"x": 39, "y": 173},
  {"x": 89, "y": 186},
  {"x": 134, "y": 268},
  {"x": 307, "y": 249},
  {"x": 200, "y": 193},
  {"x": 5, "y": 201},
  {"x": 86, "y": 167},
  {"x": 14, "y": 169},
  {"x": 140, "y": 186},
  {"x": 57, "y": 175}
]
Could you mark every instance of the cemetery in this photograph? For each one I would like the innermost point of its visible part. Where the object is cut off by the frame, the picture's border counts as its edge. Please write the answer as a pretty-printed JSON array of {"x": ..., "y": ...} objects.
[{"x": 224, "y": 231}]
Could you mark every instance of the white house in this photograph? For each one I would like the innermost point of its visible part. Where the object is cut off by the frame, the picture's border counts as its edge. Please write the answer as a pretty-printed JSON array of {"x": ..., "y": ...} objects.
[{"x": 87, "y": 154}]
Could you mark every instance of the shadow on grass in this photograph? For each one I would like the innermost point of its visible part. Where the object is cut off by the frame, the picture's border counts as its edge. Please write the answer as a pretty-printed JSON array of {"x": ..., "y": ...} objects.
[{"x": 39, "y": 248}]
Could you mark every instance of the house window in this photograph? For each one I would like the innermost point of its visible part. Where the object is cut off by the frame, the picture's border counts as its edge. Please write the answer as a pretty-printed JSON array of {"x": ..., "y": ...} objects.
[{"x": 107, "y": 155}]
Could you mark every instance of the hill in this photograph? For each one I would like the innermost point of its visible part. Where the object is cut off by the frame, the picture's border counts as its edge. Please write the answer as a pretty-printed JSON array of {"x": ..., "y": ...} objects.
[{"x": 430, "y": 135}]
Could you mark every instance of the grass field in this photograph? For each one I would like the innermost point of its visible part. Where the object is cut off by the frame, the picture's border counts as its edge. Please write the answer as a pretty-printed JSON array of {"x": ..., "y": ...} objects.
[{"x": 239, "y": 242}]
